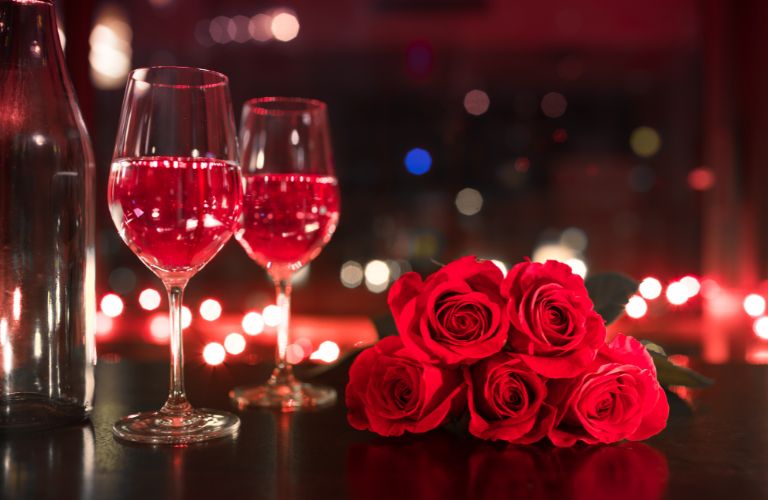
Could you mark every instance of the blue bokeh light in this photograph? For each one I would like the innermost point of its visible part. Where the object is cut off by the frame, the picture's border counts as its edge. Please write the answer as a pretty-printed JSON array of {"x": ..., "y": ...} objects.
[{"x": 418, "y": 161}]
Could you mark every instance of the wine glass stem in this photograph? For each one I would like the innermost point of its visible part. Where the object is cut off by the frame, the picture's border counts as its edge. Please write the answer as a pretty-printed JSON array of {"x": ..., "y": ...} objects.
[
  {"x": 283, "y": 287},
  {"x": 177, "y": 399}
]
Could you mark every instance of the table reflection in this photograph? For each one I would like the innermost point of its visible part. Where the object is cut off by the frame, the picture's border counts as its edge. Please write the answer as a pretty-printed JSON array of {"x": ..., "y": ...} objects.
[
  {"x": 41, "y": 464},
  {"x": 440, "y": 466}
]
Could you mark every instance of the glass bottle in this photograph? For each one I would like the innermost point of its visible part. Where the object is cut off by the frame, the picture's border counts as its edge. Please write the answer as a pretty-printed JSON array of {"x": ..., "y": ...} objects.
[{"x": 47, "y": 282}]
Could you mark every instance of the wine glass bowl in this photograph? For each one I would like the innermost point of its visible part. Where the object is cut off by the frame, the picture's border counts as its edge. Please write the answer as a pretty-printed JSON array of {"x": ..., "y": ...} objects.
[
  {"x": 175, "y": 195},
  {"x": 290, "y": 211}
]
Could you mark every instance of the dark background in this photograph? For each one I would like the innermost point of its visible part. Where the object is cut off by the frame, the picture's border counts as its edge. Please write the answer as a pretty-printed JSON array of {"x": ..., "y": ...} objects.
[{"x": 395, "y": 74}]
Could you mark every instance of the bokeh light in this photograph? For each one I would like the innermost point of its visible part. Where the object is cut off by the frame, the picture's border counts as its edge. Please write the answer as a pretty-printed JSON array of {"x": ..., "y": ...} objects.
[
  {"x": 271, "y": 315},
  {"x": 418, "y": 161},
  {"x": 110, "y": 54},
  {"x": 578, "y": 266},
  {"x": 692, "y": 285},
  {"x": 469, "y": 201},
  {"x": 701, "y": 179},
  {"x": 574, "y": 238},
  {"x": 501, "y": 265},
  {"x": 285, "y": 27},
  {"x": 351, "y": 274},
  {"x": 103, "y": 324},
  {"x": 210, "y": 309},
  {"x": 754, "y": 305},
  {"x": 328, "y": 352},
  {"x": 552, "y": 251},
  {"x": 677, "y": 293},
  {"x": 645, "y": 141},
  {"x": 149, "y": 299},
  {"x": 112, "y": 305},
  {"x": 294, "y": 354},
  {"x": 186, "y": 317},
  {"x": 760, "y": 327},
  {"x": 160, "y": 327},
  {"x": 253, "y": 323},
  {"x": 553, "y": 105},
  {"x": 376, "y": 275},
  {"x": 122, "y": 280},
  {"x": 636, "y": 307},
  {"x": 476, "y": 102},
  {"x": 650, "y": 288},
  {"x": 260, "y": 27},
  {"x": 214, "y": 354},
  {"x": 234, "y": 343}
]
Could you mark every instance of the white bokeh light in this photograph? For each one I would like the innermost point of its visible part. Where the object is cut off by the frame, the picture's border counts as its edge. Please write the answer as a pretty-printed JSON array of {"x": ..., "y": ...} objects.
[{"x": 253, "y": 323}]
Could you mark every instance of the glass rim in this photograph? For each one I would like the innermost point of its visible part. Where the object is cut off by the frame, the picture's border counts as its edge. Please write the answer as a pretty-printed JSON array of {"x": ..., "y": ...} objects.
[
  {"x": 261, "y": 105},
  {"x": 139, "y": 75}
]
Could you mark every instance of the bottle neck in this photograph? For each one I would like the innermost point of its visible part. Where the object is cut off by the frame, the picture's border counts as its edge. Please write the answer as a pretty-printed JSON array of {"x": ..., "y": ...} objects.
[{"x": 29, "y": 37}]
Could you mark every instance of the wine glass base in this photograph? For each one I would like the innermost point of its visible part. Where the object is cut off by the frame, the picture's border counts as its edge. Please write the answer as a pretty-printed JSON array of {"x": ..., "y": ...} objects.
[
  {"x": 159, "y": 427},
  {"x": 283, "y": 397}
]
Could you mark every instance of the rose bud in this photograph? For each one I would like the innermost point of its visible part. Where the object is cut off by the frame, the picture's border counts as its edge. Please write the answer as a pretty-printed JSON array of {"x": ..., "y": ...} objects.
[
  {"x": 618, "y": 397},
  {"x": 390, "y": 392},
  {"x": 554, "y": 327},
  {"x": 507, "y": 400},
  {"x": 455, "y": 316}
]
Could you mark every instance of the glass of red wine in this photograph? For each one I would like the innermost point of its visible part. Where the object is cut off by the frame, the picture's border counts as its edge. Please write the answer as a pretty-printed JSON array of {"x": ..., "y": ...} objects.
[
  {"x": 175, "y": 195},
  {"x": 290, "y": 211}
]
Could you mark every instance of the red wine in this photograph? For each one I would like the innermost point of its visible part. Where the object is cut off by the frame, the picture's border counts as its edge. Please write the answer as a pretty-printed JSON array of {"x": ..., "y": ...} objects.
[
  {"x": 175, "y": 213},
  {"x": 287, "y": 219}
]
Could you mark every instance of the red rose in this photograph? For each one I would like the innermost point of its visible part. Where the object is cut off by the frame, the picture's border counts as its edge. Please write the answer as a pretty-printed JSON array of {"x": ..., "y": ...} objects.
[
  {"x": 390, "y": 392},
  {"x": 554, "y": 326},
  {"x": 455, "y": 316},
  {"x": 617, "y": 398},
  {"x": 507, "y": 400}
]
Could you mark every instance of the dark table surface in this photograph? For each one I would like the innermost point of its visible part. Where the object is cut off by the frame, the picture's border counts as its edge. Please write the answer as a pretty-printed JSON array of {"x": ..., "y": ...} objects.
[{"x": 717, "y": 448}]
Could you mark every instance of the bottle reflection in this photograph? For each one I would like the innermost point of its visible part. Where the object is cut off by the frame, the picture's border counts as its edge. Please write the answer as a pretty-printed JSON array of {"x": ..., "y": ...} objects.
[
  {"x": 43, "y": 465},
  {"x": 441, "y": 466}
]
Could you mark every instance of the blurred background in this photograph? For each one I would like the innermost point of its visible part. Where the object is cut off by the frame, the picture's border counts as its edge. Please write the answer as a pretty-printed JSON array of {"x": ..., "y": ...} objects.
[{"x": 614, "y": 136}]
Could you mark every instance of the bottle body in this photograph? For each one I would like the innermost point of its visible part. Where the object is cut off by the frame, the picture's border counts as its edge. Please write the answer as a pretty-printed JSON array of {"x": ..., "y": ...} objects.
[{"x": 47, "y": 268}]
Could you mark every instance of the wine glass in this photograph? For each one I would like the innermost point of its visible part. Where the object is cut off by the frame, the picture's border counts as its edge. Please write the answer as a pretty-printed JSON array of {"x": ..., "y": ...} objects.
[
  {"x": 290, "y": 211},
  {"x": 175, "y": 195}
]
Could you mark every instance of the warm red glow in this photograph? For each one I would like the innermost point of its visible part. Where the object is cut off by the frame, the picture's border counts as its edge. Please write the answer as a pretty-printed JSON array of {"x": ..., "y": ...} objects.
[
  {"x": 112, "y": 305},
  {"x": 328, "y": 352},
  {"x": 253, "y": 323},
  {"x": 234, "y": 343},
  {"x": 680, "y": 360},
  {"x": 210, "y": 309},
  {"x": 636, "y": 307},
  {"x": 650, "y": 288},
  {"x": 754, "y": 305},
  {"x": 149, "y": 299},
  {"x": 214, "y": 354}
]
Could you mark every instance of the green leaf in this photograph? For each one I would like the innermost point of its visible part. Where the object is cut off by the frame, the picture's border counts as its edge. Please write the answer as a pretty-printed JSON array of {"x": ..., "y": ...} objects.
[
  {"x": 670, "y": 374},
  {"x": 610, "y": 293}
]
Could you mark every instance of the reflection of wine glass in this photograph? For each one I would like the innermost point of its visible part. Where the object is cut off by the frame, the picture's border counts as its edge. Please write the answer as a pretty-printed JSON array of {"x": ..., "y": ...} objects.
[
  {"x": 290, "y": 211},
  {"x": 175, "y": 194}
]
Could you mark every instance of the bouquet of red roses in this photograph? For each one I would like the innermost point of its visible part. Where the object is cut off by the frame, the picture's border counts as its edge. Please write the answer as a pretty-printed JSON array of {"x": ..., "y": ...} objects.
[{"x": 519, "y": 358}]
